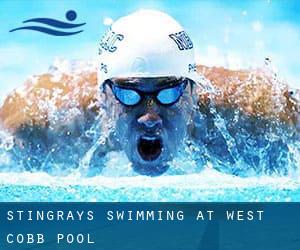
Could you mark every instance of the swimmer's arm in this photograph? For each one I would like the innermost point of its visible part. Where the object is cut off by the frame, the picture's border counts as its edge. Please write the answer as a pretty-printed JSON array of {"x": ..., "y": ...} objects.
[
  {"x": 253, "y": 92},
  {"x": 35, "y": 103}
]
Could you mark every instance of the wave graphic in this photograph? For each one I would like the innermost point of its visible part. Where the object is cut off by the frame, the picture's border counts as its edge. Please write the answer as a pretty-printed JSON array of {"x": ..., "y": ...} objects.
[
  {"x": 47, "y": 31},
  {"x": 70, "y": 16},
  {"x": 54, "y": 23}
]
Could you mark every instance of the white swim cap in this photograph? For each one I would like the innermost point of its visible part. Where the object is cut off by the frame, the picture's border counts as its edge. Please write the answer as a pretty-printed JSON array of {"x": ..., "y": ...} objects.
[{"x": 146, "y": 43}]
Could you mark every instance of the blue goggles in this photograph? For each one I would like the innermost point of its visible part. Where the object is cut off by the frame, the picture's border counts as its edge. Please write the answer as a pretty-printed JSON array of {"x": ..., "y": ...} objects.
[{"x": 131, "y": 96}]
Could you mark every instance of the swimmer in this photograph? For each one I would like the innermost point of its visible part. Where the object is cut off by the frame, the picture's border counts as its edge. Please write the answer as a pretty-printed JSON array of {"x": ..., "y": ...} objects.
[{"x": 148, "y": 83}]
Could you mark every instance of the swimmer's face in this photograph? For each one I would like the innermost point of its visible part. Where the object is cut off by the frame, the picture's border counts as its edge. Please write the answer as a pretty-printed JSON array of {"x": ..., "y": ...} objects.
[{"x": 152, "y": 117}]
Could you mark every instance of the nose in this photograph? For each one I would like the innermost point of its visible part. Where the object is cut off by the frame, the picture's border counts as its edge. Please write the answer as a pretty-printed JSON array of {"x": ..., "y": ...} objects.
[{"x": 150, "y": 120}]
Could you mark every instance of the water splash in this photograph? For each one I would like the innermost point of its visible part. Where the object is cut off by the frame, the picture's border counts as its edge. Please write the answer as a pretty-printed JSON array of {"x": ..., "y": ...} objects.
[{"x": 81, "y": 168}]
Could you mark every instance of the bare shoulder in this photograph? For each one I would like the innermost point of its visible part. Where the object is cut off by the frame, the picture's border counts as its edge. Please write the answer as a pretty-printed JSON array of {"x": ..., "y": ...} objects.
[
  {"x": 41, "y": 96},
  {"x": 44, "y": 95},
  {"x": 253, "y": 92}
]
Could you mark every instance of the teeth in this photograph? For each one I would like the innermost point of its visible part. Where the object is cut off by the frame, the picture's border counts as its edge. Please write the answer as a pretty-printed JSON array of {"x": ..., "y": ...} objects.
[{"x": 148, "y": 138}]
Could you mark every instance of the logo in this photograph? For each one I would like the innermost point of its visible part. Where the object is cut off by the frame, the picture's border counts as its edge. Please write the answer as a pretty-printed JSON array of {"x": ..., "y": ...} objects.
[
  {"x": 182, "y": 40},
  {"x": 71, "y": 15},
  {"x": 109, "y": 40}
]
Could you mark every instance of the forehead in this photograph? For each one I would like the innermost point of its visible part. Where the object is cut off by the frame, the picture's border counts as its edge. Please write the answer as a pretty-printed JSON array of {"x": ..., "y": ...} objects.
[{"x": 149, "y": 83}]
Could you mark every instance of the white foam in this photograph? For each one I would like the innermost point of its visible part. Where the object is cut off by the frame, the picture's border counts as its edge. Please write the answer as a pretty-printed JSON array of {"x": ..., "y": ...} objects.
[{"x": 208, "y": 179}]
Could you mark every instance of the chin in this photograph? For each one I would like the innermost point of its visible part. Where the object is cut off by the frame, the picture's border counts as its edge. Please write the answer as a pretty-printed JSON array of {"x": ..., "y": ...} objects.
[{"x": 150, "y": 169}]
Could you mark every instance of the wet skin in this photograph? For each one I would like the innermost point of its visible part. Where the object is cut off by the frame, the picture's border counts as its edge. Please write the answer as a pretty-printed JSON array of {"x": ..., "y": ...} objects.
[
  {"x": 158, "y": 131},
  {"x": 149, "y": 132}
]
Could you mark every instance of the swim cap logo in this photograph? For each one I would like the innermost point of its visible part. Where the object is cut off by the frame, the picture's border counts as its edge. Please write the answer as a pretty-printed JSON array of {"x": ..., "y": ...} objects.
[
  {"x": 139, "y": 65},
  {"x": 109, "y": 40},
  {"x": 182, "y": 40},
  {"x": 192, "y": 67},
  {"x": 103, "y": 67},
  {"x": 70, "y": 15}
]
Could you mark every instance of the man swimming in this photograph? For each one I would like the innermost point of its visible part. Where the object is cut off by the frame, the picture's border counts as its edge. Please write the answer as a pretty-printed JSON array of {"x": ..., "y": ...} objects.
[{"x": 151, "y": 90}]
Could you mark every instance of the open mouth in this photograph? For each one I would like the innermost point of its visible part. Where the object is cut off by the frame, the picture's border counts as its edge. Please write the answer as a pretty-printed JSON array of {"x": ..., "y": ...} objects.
[{"x": 149, "y": 148}]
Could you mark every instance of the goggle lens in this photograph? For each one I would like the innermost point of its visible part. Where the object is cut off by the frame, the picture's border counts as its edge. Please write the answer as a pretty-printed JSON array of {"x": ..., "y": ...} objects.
[
  {"x": 128, "y": 97},
  {"x": 170, "y": 95}
]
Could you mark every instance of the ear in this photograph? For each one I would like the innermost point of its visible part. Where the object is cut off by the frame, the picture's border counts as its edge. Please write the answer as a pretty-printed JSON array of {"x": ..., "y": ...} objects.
[
  {"x": 192, "y": 83},
  {"x": 103, "y": 91},
  {"x": 194, "y": 112},
  {"x": 103, "y": 86},
  {"x": 103, "y": 97},
  {"x": 106, "y": 96},
  {"x": 194, "y": 95}
]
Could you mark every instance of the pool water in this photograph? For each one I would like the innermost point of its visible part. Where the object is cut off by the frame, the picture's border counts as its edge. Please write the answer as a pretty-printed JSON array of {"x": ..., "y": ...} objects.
[
  {"x": 184, "y": 181},
  {"x": 209, "y": 185}
]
